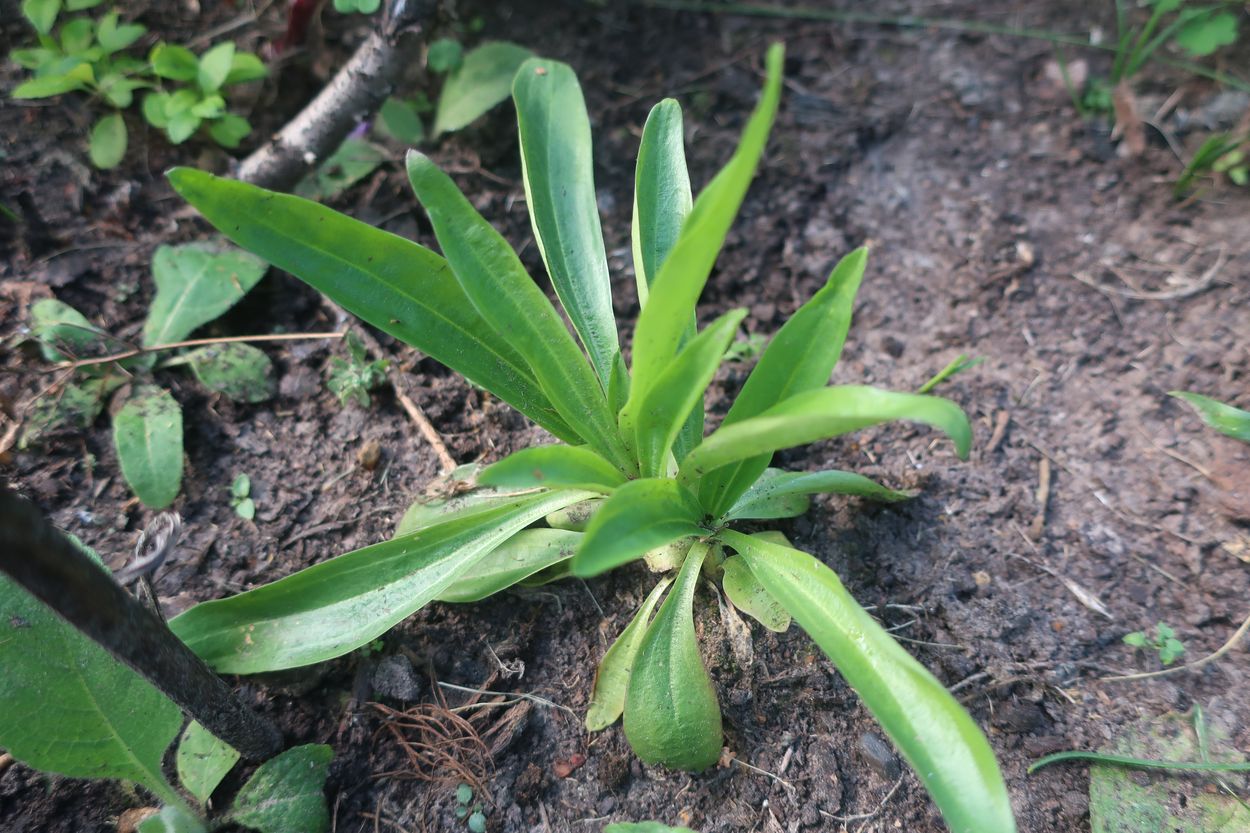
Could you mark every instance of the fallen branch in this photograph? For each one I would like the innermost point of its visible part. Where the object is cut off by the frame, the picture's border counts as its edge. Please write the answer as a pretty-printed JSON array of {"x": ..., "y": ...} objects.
[{"x": 353, "y": 95}]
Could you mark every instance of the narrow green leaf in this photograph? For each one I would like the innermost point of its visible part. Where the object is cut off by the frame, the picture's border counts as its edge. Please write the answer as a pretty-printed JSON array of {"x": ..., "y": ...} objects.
[
  {"x": 1224, "y": 418},
  {"x": 195, "y": 284},
  {"x": 665, "y": 407},
  {"x": 676, "y": 288},
  {"x": 47, "y": 86},
  {"x": 114, "y": 37},
  {"x": 751, "y": 597},
  {"x": 1138, "y": 763},
  {"x": 671, "y": 714},
  {"x": 70, "y": 707},
  {"x": 214, "y": 66},
  {"x": 513, "y": 561},
  {"x": 618, "y": 385},
  {"x": 203, "y": 760},
  {"x": 554, "y": 132},
  {"x": 393, "y": 284},
  {"x": 482, "y": 80},
  {"x": 338, "y": 605},
  {"x": 244, "y": 67},
  {"x": 639, "y": 516},
  {"x": 933, "y": 732},
  {"x": 607, "y": 698},
  {"x": 287, "y": 793},
  {"x": 554, "y": 466},
  {"x": 494, "y": 279},
  {"x": 957, "y": 365},
  {"x": 147, "y": 434},
  {"x": 799, "y": 358},
  {"x": 821, "y": 414},
  {"x": 662, "y": 196},
  {"x": 242, "y": 372},
  {"x": 775, "y": 489}
]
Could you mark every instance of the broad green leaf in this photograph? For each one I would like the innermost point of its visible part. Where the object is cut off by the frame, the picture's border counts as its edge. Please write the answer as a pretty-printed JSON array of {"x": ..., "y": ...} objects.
[
  {"x": 749, "y": 596},
  {"x": 155, "y": 109},
  {"x": 107, "y": 145},
  {"x": 492, "y": 276},
  {"x": 229, "y": 130},
  {"x": 554, "y": 131},
  {"x": 182, "y": 126},
  {"x": 114, "y": 37},
  {"x": 518, "y": 558},
  {"x": 775, "y": 491},
  {"x": 639, "y": 516},
  {"x": 933, "y": 732},
  {"x": 76, "y": 35},
  {"x": 214, "y": 66},
  {"x": 799, "y": 358},
  {"x": 287, "y": 793},
  {"x": 203, "y": 760},
  {"x": 240, "y": 371},
  {"x": 70, "y": 708},
  {"x": 195, "y": 284},
  {"x": 47, "y": 86},
  {"x": 607, "y": 698},
  {"x": 177, "y": 63},
  {"x": 393, "y": 284},
  {"x": 554, "y": 466},
  {"x": 1207, "y": 33},
  {"x": 354, "y": 160},
  {"x": 64, "y": 333},
  {"x": 338, "y": 605},
  {"x": 662, "y": 197},
  {"x": 671, "y": 714},
  {"x": 679, "y": 388},
  {"x": 821, "y": 414},
  {"x": 172, "y": 819},
  {"x": 75, "y": 406},
  {"x": 120, "y": 91},
  {"x": 444, "y": 55},
  {"x": 147, "y": 434},
  {"x": 400, "y": 120},
  {"x": 1226, "y": 419},
  {"x": 676, "y": 288},
  {"x": 41, "y": 14},
  {"x": 244, "y": 67},
  {"x": 481, "y": 81}
]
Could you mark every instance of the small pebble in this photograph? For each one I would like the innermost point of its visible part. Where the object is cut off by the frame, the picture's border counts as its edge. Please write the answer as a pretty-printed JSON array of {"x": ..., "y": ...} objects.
[
  {"x": 397, "y": 679},
  {"x": 878, "y": 754}
]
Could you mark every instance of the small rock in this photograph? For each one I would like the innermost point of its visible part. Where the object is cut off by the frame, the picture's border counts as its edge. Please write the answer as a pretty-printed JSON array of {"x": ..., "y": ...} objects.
[
  {"x": 396, "y": 678},
  {"x": 878, "y": 755},
  {"x": 369, "y": 455}
]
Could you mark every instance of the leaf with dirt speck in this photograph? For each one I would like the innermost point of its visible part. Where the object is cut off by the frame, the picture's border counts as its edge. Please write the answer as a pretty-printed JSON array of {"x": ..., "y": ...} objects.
[
  {"x": 196, "y": 283},
  {"x": 147, "y": 433},
  {"x": 240, "y": 371},
  {"x": 286, "y": 793}
]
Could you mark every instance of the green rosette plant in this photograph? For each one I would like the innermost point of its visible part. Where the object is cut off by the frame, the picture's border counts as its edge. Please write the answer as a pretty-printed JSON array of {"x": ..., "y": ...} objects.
[{"x": 633, "y": 476}]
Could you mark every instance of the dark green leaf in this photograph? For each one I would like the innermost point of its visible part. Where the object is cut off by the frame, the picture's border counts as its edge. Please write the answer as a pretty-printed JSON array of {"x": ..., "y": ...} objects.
[
  {"x": 481, "y": 82},
  {"x": 240, "y": 371},
  {"x": 401, "y": 121},
  {"x": 244, "y": 67},
  {"x": 937, "y": 737},
  {"x": 195, "y": 284},
  {"x": 554, "y": 466},
  {"x": 338, "y": 605},
  {"x": 229, "y": 130},
  {"x": 639, "y": 516},
  {"x": 354, "y": 160},
  {"x": 64, "y": 333},
  {"x": 554, "y": 132},
  {"x": 769, "y": 493},
  {"x": 607, "y": 699},
  {"x": 147, "y": 434},
  {"x": 662, "y": 197},
  {"x": 393, "y": 284},
  {"x": 444, "y": 55},
  {"x": 671, "y": 714},
  {"x": 286, "y": 795},
  {"x": 75, "y": 407},
  {"x": 492, "y": 276}
]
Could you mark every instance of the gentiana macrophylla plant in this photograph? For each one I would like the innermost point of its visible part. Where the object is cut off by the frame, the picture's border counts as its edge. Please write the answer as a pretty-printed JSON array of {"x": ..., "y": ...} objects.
[{"x": 633, "y": 475}]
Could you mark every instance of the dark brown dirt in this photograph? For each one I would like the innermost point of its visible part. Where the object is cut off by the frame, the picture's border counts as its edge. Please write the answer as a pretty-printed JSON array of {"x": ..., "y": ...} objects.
[{"x": 1001, "y": 227}]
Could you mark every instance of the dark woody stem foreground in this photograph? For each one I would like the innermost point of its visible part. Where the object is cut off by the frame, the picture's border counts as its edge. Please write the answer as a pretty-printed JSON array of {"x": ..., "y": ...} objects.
[{"x": 51, "y": 568}]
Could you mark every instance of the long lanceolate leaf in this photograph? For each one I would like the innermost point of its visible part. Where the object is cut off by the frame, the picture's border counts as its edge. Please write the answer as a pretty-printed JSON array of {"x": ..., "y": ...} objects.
[
  {"x": 675, "y": 290},
  {"x": 607, "y": 700},
  {"x": 935, "y": 734},
  {"x": 496, "y": 282},
  {"x": 821, "y": 414},
  {"x": 338, "y": 605},
  {"x": 396, "y": 285},
  {"x": 553, "y": 466},
  {"x": 663, "y": 410},
  {"x": 554, "y": 133},
  {"x": 800, "y": 357},
  {"x": 774, "y": 492},
  {"x": 639, "y": 516}
]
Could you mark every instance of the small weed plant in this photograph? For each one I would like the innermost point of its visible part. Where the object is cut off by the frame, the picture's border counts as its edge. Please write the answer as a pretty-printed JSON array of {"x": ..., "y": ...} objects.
[
  {"x": 352, "y": 379},
  {"x": 633, "y": 475},
  {"x": 1162, "y": 641}
]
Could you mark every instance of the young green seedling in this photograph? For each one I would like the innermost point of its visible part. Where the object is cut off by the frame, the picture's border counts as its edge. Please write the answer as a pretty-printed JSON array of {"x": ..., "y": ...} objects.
[
  {"x": 633, "y": 475},
  {"x": 1163, "y": 642}
]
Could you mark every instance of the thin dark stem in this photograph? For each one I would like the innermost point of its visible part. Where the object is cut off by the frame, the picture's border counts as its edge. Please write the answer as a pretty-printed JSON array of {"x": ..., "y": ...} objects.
[{"x": 48, "y": 565}]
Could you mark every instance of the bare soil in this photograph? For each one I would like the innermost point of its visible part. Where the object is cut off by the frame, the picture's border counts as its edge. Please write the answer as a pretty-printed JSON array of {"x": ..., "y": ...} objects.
[{"x": 1001, "y": 226}]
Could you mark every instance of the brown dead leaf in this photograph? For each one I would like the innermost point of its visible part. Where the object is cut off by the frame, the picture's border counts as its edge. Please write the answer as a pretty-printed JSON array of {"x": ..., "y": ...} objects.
[{"x": 1128, "y": 125}]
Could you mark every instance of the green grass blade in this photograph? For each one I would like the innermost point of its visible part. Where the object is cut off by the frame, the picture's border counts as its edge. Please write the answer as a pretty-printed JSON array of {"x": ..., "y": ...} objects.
[
  {"x": 671, "y": 714},
  {"x": 662, "y": 196},
  {"x": 1137, "y": 763},
  {"x": 1226, "y": 419},
  {"x": 775, "y": 486},
  {"x": 639, "y": 516},
  {"x": 676, "y": 289},
  {"x": 800, "y": 357},
  {"x": 554, "y": 466},
  {"x": 396, "y": 285},
  {"x": 336, "y": 606},
  {"x": 958, "y": 364},
  {"x": 664, "y": 410},
  {"x": 496, "y": 282},
  {"x": 554, "y": 132},
  {"x": 928, "y": 726},
  {"x": 607, "y": 700},
  {"x": 821, "y": 414}
]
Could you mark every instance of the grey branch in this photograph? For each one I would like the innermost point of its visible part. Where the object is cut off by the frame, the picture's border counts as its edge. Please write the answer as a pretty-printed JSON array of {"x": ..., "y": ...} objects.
[{"x": 353, "y": 95}]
